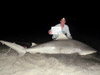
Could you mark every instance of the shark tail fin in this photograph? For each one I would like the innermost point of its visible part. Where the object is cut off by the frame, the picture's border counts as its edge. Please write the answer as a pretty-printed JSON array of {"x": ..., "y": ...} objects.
[
  {"x": 61, "y": 36},
  {"x": 18, "y": 48}
]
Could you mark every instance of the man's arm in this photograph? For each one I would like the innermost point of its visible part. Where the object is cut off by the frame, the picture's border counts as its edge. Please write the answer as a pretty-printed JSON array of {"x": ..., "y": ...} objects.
[
  {"x": 50, "y": 31},
  {"x": 68, "y": 32}
]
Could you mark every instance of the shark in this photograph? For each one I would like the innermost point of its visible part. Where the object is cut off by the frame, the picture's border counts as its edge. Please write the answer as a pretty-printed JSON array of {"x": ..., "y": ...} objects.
[{"x": 62, "y": 45}]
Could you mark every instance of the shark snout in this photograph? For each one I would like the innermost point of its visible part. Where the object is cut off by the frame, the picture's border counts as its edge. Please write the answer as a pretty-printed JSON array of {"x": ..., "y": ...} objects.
[{"x": 86, "y": 52}]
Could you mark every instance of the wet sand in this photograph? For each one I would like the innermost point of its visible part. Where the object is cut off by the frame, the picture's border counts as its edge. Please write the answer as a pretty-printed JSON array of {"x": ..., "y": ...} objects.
[{"x": 47, "y": 64}]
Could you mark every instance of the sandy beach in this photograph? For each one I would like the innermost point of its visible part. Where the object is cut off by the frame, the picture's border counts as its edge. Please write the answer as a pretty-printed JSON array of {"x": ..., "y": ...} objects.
[{"x": 46, "y": 64}]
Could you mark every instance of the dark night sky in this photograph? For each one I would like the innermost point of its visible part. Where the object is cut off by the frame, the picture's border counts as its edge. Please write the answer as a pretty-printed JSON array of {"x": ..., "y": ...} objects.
[
  {"x": 29, "y": 23},
  {"x": 33, "y": 22}
]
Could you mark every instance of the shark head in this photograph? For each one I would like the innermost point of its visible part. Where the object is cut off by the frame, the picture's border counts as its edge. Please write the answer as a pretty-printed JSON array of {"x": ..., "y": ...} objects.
[{"x": 87, "y": 52}]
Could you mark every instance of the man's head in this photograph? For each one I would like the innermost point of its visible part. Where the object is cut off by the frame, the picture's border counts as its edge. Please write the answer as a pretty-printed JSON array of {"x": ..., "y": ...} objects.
[{"x": 62, "y": 21}]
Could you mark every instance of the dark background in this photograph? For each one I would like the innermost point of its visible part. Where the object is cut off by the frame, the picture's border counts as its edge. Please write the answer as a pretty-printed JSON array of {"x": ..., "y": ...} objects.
[{"x": 30, "y": 22}]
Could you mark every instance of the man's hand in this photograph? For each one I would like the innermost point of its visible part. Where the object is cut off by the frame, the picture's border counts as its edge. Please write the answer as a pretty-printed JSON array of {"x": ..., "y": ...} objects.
[
  {"x": 70, "y": 37},
  {"x": 50, "y": 32}
]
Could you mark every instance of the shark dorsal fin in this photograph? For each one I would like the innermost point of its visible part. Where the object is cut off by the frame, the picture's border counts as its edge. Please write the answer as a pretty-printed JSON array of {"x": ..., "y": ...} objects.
[
  {"x": 33, "y": 44},
  {"x": 61, "y": 36}
]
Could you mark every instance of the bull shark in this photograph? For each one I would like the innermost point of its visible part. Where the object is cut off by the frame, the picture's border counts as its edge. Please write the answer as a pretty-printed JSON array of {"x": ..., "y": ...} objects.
[{"x": 62, "y": 45}]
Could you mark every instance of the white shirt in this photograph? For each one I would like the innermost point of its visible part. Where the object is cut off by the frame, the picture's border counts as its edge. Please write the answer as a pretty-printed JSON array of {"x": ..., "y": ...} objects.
[{"x": 65, "y": 30}]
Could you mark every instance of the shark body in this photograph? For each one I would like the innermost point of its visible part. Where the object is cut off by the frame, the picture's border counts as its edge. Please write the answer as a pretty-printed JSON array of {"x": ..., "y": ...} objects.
[{"x": 62, "y": 45}]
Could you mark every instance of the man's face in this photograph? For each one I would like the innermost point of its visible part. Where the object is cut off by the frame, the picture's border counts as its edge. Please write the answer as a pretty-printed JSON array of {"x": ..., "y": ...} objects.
[{"x": 62, "y": 21}]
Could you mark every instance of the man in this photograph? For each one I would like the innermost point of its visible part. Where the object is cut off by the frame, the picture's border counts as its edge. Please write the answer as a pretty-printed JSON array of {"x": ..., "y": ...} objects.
[{"x": 64, "y": 29}]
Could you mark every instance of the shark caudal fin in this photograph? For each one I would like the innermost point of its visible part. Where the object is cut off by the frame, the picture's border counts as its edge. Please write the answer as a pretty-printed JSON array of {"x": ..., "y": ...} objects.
[
  {"x": 18, "y": 48},
  {"x": 61, "y": 36}
]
